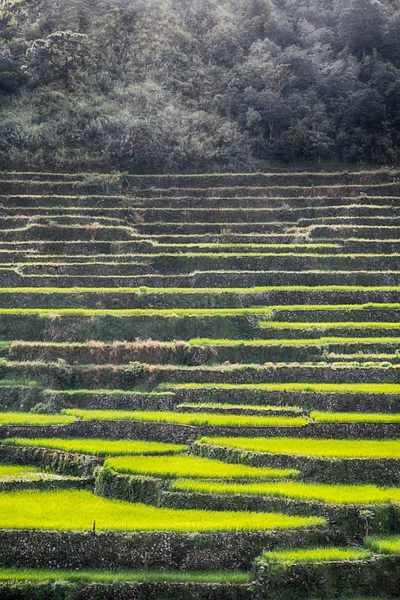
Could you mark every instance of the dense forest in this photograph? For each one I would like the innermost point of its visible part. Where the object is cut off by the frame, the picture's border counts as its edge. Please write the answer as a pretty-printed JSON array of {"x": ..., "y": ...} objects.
[{"x": 198, "y": 85}]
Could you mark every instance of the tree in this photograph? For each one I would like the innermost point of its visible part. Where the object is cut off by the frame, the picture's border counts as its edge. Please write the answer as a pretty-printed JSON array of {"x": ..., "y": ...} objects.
[
  {"x": 361, "y": 26},
  {"x": 58, "y": 57}
]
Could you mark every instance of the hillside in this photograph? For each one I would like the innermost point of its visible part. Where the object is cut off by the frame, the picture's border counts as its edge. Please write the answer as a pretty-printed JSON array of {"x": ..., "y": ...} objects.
[
  {"x": 199, "y": 386},
  {"x": 206, "y": 85}
]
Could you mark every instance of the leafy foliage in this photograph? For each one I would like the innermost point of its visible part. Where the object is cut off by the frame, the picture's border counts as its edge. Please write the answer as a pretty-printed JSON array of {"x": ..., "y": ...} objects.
[{"x": 160, "y": 86}]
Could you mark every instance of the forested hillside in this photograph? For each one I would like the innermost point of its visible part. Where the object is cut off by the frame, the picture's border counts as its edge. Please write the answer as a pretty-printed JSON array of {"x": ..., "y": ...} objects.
[{"x": 196, "y": 85}]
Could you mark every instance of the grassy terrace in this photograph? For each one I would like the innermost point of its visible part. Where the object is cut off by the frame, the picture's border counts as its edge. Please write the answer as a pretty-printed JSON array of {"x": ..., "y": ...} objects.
[
  {"x": 194, "y": 419},
  {"x": 311, "y": 447},
  {"x": 24, "y": 473},
  {"x": 100, "y": 447},
  {"x": 192, "y": 467},
  {"x": 329, "y": 494},
  {"x": 109, "y": 392},
  {"x": 221, "y": 290},
  {"x": 21, "y": 418},
  {"x": 159, "y": 339},
  {"x": 326, "y": 325},
  {"x": 332, "y": 417},
  {"x": 315, "y": 555},
  {"x": 77, "y": 510},
  {"x": 386, "y": 545},
  {"x": 332, "y": 388},
  {"x": 93, "y": 576},
  {"x": 18, "y": 382},
  {"x": 228, "y": 407},
  {"x": 323, "y": 341}
]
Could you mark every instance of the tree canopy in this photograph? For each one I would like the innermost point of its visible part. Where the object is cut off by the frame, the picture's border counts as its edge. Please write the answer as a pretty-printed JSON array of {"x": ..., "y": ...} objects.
[{"x": 197, "y": 85}]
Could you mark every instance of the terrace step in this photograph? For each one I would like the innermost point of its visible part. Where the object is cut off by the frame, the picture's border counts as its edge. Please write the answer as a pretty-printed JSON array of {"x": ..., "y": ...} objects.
[{"x": 205, "y": 310}]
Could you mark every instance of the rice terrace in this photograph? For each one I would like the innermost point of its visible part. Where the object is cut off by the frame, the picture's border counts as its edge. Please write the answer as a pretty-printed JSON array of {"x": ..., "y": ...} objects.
[
  {"x": 199, "y": 386},
  {"x": 199, "y": 300}
]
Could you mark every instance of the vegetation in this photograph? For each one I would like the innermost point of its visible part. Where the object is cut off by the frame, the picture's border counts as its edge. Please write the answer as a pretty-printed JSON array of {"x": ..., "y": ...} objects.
[
  {"x": 324, "y": 325},
  {"x": 387, "y": 545},
  {"x": 331, "y": 417},
  {"x": 300, "y": 342},
  {"x": 312, "y": 447},
  {"x": 330, "y": 494},
  {"x": 342, "y": 388},
  {"x": 58, "y": 510},
  {"x": 15, "y": 418},
  {"x": 192, "y": 466},
  {"x": 99, "y": 446},
  {"x": 18, "y": 382},
  {"x": 199, "y": 419},
  {"x": 41, "y": 575},
  {"x": 316, "y": 555},
  {"x": 227, "y": 407},
  {"x": 213, "y": 89}
]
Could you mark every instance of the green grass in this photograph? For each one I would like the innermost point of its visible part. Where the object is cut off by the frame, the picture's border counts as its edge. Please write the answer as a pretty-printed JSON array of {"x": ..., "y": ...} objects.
[
  {"x": 194, "y": 419},
  {"x": 20, "y": 418},
  {"x": 18, "y": 383},
  {"x": 77, "y": 510},
  {"x": 228, "y": 407},
  {"x": 301, "y": 342},
  {"x": 26, "y": 473},
  {"x": 343, "y": 388},
  {"x": 42, "y": 575},
  {"x": 99, "y": 446},
  {"x": 222, "y": 290},
  {"x": 312, "y": 447},
  {"x": 386, "y": 545},
  {"x": 192, "y": 466},
  {"x": 6, "y": 470},
  {"x": 109, "y": 392},
  {"x": 144, "y": 312},
  {"x": 323, "y": 325},
  {"x": 336, "y": 417},
  {"x": 316, "y": 555},
  {"x": 329, "y": 494}
]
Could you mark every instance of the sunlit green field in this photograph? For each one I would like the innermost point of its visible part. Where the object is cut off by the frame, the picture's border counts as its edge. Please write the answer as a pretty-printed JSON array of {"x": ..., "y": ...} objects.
[
  {"x": 92, "y": 576},
  {"x": 192, "y": 466},
  {"x": 332, "y": 417},
  {"x": 77, "y": 510},
  {"x": 99, "y": 446},
  {"x": 312, "y": 447},
  {"x": 317, "y": 555},
  {"x": 199, "y": 419},
  {"x": 20, "y": 418},
  {"x": 387, "y": 545},
  {"x": 329, "y": 494},
  {"x": 352, "y": 388},
  {"x": 227, "y": 407}
]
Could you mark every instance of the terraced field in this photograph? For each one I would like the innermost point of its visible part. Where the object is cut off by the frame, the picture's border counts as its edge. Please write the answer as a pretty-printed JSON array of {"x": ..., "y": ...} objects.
[{"x": 200, "y": 386}]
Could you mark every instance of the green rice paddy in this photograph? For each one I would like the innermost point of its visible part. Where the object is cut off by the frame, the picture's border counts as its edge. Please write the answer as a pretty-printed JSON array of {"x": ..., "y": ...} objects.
[
  {"x": 328, "y": 325},
  {"x": 16, "y": 418},
  {"x": 329, "y": 494},
  {"x": 341, "y": 388},
  {"x": 335, "y": 448},
  {"x": 300, "y": 342},
  {"x": 58, "y": 511},
  {"x": 192, "y": 466},
  {"x": 227, "y": 407},
  {"x": 193, "y": 419},
  {"x": 92, "y": 576},
  {"x": 333, "y": 417},
  {"x": 316, "y": 555},
  {"x": 100, "y": 447},
  {"x": 386, "y": 545}
]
